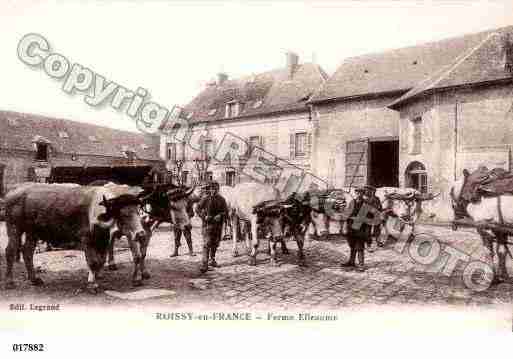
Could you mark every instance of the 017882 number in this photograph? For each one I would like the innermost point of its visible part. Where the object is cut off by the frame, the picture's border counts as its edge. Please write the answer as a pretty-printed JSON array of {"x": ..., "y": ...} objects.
[{"x": 28, "y": 347}]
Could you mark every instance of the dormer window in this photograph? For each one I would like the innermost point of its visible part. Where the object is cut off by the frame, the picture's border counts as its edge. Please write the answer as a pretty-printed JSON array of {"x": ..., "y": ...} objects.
[
  {"x": 233, "y": 109},
  {"x": 212, "y": 112},
  {"x": 42, "y": 151},
  {"x": 93, "y": 139},
  {"x": 12, "y": 121},
  {"x": 63, "y": 134}
]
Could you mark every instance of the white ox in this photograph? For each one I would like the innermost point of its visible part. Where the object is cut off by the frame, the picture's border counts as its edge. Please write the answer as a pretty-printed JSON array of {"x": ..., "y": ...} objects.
[
  {"x": 489, "y": 210},
  {"x": 241, "y": 200}
]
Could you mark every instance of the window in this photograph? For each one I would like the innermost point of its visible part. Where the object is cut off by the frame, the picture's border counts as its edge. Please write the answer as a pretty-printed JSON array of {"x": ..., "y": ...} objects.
[
  {"x": 300, "y": 144},
  {"x": 416, "y": 136},
  {"x": 254, "y": 141},
  {"x": 208, "y": 176},
  {"x": 232, "y": 109},
  {"x": 63, "y": 134},
  {"x": 185, "y": 175},
  {"x": 42, "y": 152},
  {"x": 171, "y": 151},
  {"x": 416, "y": 177},
  {"x": 183, "y": 150},
  {"x": 209, "y": 146},
  {"x": 230, "y": 178}
]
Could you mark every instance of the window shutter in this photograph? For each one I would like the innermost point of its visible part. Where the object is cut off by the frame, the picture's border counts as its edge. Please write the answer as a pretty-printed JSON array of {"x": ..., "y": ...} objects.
[
  {"x": 223, "y": 178},
  {"x": 292, "y": 145},
  {"x": 237, "y": 177},
  {"x": 248, "y": 147},
  {"x": 262, "y": 142},
  {"x": 214, "y": 148},
  {"x": 308, "y": 144}
]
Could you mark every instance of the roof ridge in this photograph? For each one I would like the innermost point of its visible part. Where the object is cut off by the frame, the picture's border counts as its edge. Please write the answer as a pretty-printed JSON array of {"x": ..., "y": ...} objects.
[
  {"x": 430, "y": 82},
  {"x": 431, "y": 42},
  {"x": 464, "y": 57},
  {"x": 31, "y": 116}
]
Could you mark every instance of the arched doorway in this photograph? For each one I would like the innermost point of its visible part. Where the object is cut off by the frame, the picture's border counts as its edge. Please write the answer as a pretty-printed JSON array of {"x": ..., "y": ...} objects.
[{"x": 416, "y": 176}]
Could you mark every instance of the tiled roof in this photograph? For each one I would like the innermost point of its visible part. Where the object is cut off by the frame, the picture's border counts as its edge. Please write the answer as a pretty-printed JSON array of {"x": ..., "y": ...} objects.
[
  {"x": 260, "y": 94},
  {"x": 20, "y": 131},
  {"x": 400, "y": 70},
  {"x": 483, "y": 63}
]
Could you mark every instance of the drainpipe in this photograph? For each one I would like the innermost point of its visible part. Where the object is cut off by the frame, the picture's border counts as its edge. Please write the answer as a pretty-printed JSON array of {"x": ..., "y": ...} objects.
[{"x": 455, "y": 139}]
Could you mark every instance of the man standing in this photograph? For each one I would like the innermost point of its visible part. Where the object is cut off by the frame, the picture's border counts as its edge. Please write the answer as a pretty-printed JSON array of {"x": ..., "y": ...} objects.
[
  {"x": 359, "y": 225},
  {"x": 213, "y": 211},
  {"x": 373, "y": 200}
]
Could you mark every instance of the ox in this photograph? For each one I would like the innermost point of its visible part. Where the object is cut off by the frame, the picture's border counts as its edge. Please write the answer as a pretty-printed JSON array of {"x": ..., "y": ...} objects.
[
  {"x": 484, "y": 213},
  {"x": 67, "y": 214},
  {"x": 169, "y": 203},
  {"x": 244, "y": 205},
  {"x": 117, "y": 233},
  {"x": 295, "y": 213},
  {"x": 329, "y": 206},
  {"x": 401, "y": 207}
]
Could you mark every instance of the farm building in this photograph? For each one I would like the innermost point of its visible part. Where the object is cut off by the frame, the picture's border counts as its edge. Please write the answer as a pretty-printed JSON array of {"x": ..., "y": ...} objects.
[{"x": 32, "y": 147}]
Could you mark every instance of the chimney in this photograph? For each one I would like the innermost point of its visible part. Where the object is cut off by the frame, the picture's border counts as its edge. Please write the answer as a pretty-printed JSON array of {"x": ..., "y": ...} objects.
[
  {"x": 292, "y": 62},
  {"x": 508, "y": 52},
  {"x": 221, "y": 78}
]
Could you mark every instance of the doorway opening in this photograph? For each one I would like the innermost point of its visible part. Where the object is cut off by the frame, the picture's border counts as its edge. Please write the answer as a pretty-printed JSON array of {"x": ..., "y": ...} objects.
[{"x": 384, "y": 163}]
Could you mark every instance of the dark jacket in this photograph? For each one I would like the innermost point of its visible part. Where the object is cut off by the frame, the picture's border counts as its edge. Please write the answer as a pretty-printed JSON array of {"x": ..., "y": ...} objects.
[
  {"x": 364, "y": 231},
  {"x": 213, "y": 210}
]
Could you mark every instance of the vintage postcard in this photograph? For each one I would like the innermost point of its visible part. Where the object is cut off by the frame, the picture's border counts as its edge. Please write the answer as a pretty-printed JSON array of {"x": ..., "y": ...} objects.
[{"x": 241, "y": 171}]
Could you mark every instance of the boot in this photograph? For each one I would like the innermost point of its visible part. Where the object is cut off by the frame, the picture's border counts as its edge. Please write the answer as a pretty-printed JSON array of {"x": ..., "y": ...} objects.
[
  {"x": 361, "y": 260},
  {"x": 204, "y": 259},
  {"x": 189, "y": 244},
  {"x": 213, "y": 262},
  {"x": 203, "y": 268},
  {"x": 350, "y": 262},
  {"x": 178, "y": 234},
  {"x": 175, "y": 252}
]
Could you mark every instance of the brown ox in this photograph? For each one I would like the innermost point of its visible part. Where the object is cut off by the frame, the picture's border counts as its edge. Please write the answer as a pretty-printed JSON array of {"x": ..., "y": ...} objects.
[{"x": 71, "y": 214}]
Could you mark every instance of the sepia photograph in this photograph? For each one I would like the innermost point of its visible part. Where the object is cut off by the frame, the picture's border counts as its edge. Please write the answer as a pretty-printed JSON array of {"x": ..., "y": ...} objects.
[{"x": 224, "y": 172}]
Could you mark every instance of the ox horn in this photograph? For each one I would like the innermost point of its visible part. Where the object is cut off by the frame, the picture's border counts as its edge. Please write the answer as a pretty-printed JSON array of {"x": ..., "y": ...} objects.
[
  {"x": 173, "y": 192},
  {"x": 190, "y": 191},
  {"x": 145, "y": 197}
]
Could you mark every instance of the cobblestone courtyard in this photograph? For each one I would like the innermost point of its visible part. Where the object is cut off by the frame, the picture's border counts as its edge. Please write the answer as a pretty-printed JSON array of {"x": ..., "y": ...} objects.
[{"x": 391, "y": 278}]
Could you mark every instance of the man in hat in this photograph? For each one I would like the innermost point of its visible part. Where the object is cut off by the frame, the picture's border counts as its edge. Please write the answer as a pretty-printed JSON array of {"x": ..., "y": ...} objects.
[
  {"x": 213, "y": 211},
  {"x": 373, "y": 200},
  {"x": 359, "y": 226}
]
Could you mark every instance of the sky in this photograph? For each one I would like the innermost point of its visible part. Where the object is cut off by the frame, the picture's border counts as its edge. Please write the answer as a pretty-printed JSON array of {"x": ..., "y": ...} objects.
[{"x": 173, "y": 48}]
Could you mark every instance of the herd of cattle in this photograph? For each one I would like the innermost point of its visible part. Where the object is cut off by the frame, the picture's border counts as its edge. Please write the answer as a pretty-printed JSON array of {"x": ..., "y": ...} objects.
[{"x": 92, "y": 217}]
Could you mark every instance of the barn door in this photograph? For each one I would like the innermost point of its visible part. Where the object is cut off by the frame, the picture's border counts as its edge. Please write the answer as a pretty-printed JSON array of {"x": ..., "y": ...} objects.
[{"x": 357, "y": 160}]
